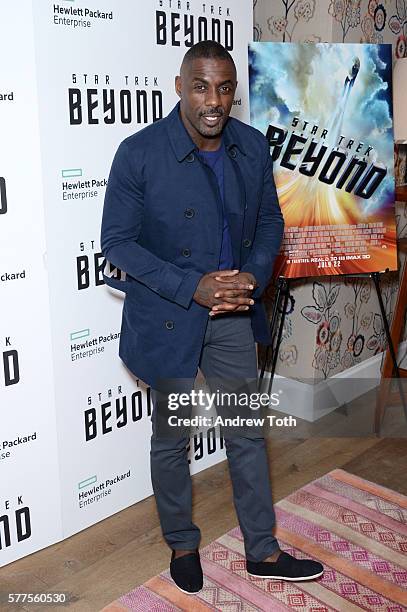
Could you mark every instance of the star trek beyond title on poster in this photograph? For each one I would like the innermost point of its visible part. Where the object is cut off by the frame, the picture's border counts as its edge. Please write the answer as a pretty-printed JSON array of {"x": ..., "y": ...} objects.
[{"x": 326, "y": 110}]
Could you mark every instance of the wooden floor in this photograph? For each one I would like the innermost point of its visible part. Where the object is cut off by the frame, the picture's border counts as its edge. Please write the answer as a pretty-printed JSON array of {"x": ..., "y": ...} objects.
[{"x": 111, "y": 558}]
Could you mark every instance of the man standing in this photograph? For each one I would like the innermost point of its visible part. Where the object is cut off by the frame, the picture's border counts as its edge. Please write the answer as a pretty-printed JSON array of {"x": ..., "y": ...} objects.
[{"x": 191, "y": 215}]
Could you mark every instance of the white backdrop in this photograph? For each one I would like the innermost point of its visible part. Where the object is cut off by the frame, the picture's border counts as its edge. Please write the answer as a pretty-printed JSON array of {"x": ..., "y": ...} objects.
[{"x": 78, "y": 78}]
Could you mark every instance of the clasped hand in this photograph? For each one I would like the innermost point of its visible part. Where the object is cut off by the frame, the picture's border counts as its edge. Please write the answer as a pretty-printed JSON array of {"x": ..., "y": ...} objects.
[{"x": 225, "y": 291}]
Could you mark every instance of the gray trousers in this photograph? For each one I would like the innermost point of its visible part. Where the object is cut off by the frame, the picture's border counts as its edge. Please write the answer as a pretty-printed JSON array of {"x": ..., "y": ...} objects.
[{"x": 229, "y": 353}]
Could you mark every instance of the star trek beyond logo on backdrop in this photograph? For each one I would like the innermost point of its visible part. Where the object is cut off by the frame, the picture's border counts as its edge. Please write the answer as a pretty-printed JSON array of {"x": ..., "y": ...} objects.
[
  {"x": 113, "y": 409},
  {"x": 184, "y": 23},
  {"x": 15, "y": 521},
  {"x": 205, "y": 443},
  {"x": 78, "y": 17},
  {"x": 10, "y": 363},
  {"x": 326, "y": 111},
  {"x": 95, "y": 99},
  {"x": 89, "y": 267},
  {"x": 3, "y": 196}
]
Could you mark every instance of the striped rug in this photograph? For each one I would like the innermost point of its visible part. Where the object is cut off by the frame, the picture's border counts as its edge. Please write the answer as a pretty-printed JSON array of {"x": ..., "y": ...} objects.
[{"x": 356, "y": 528}]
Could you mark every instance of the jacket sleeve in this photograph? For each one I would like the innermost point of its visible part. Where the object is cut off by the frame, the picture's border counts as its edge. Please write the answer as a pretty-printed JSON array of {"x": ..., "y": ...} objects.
[
  {"x": 121, "y": 224},
  {"x": 269, "y": 230}
]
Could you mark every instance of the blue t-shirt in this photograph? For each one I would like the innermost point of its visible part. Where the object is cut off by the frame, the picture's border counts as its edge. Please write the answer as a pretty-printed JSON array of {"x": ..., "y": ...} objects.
[{"x": 214, "y": 159}]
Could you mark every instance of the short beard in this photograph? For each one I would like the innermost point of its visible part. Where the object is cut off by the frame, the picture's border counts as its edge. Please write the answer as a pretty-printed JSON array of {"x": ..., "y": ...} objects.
[{"x": 209, "y": 132}]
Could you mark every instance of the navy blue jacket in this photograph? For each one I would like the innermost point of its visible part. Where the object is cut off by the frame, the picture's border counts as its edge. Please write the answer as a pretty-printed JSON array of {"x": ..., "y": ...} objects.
[{"x": 162, "y": 225}]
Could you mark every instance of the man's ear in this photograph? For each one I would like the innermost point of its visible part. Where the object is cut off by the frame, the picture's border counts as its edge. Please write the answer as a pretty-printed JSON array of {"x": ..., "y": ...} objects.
[{"x": 178, "y": 86}]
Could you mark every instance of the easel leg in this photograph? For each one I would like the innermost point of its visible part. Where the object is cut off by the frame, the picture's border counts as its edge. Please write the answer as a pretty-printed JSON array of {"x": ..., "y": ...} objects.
[
  {"x": 286, "y": 290},
  {"x": 381, "y": 399},
  {"x": 273, "y": 321}
]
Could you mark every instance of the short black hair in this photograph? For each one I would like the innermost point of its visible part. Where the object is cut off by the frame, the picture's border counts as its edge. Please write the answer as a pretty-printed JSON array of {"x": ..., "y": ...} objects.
[{"x": 209, "y": 49}]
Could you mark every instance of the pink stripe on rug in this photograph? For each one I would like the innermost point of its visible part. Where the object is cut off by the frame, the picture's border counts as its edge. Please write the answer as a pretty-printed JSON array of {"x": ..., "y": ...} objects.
[
  {"x": 351, "y": 520},
  {"x": 347, "y": 503},
  {"x": 366, "y": 485},
  {"x": 143, "y": 598},
  {"x": 363, "y": 497}
]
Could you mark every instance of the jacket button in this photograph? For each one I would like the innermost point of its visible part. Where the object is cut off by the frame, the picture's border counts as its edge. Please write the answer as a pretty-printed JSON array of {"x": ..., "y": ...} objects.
[
  {"x": 232, "y": 153},
  {"x": 247, "y": 242},
  {"x": 186, "y": 252},
  {"x": 169, "y": 324},
  {"x": 189, "y": 213},
  {"x": 190, "y": 157}
]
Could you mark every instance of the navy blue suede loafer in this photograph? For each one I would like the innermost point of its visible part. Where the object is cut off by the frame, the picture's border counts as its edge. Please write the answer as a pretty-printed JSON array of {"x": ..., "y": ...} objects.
[
  {"x": 286, "y": 567},
  {"x": 186, "y": 572}
]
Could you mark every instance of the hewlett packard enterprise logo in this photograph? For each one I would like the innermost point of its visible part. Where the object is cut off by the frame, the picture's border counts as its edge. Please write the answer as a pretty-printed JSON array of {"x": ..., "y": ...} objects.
[
  {"x": 7, "y": 96},
  {"x": 78, "y": 16}
]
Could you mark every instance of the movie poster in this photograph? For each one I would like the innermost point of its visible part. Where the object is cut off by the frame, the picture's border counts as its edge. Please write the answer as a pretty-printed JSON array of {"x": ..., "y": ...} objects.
[{"x": 326, "y": 110}]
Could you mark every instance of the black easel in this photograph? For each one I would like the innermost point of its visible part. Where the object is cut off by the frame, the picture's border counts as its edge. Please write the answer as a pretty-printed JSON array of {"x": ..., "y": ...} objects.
[
  {"x": 283, "y": 294},
  {"x": 282, "y": 291}
]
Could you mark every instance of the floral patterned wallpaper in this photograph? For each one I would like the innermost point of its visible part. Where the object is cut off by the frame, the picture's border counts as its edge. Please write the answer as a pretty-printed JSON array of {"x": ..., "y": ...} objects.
[
  {"x": 292, "y": 21},
  {"x": 367, "y": 21},
  {"x": 371, "y": 22},
  {"x": 334, "y": 323}
]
